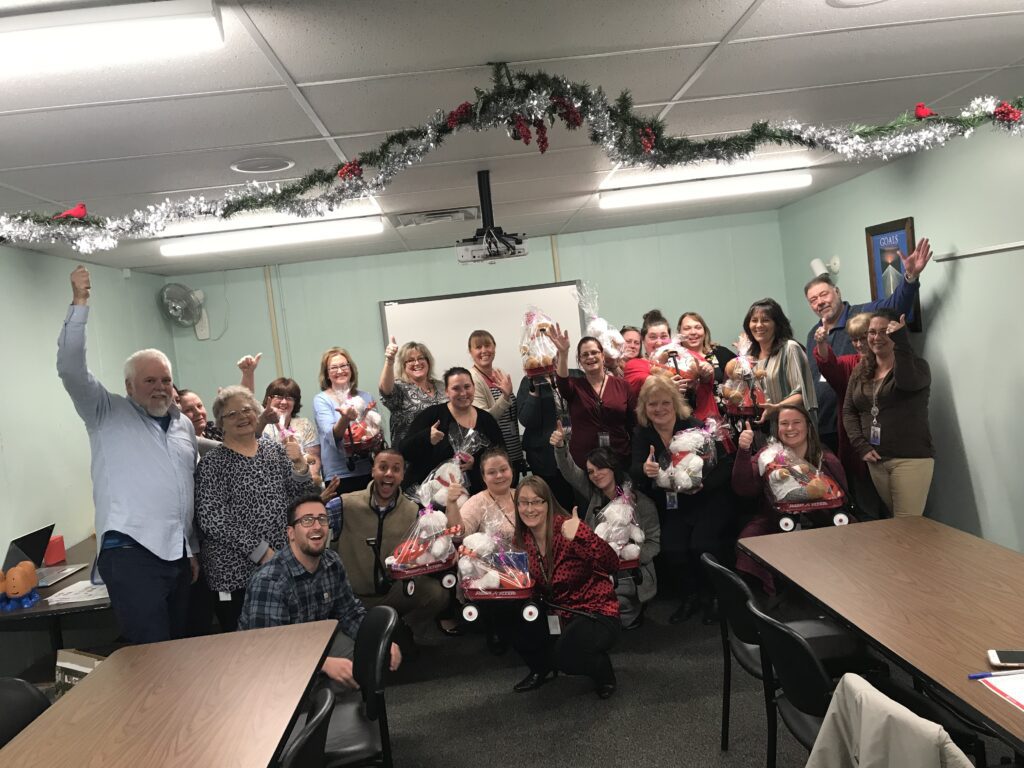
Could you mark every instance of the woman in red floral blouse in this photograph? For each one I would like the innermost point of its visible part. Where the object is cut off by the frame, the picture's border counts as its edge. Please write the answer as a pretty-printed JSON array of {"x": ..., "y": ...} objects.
[{"x": 571, "y": 568}]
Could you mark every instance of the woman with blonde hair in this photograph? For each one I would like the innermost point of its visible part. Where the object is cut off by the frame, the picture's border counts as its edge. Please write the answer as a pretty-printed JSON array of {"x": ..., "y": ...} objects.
[
  {"x": 407, "y": 385},
  {"x": 691, "y": 524}
]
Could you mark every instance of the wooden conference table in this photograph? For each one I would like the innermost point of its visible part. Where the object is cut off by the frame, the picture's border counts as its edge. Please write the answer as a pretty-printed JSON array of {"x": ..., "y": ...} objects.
[
  {"x": 221, "y": 700},
  {"x": 932, "y": 598}
]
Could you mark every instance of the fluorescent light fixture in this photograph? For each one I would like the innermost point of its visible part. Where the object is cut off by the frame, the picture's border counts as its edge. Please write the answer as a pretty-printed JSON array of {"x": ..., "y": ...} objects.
[
  {"x": 208, "y": 225},
  {"x": 90, "y": 38},
  {"x": 291, "y": 234},
  {"x": 703, "y": 190},
  {"x": 782, "y": 161}
]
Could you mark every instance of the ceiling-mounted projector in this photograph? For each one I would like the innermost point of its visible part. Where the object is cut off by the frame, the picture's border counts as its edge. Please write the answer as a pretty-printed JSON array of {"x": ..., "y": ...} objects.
[{"x": 489, "y": 243}]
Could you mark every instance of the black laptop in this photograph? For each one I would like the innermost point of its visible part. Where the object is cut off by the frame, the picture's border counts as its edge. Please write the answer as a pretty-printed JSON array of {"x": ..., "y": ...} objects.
[{"x": 32, "y": 546}]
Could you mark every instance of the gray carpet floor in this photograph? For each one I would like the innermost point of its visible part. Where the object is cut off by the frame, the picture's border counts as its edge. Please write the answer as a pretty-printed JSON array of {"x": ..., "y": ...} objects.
[{"x": 455, "y": 707}]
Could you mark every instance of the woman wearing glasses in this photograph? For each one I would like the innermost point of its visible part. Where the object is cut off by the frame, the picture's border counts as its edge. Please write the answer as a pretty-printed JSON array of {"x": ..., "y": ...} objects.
[
  {"x": 601, "y": 406},
  {"x": 571, "y": 567},
  {"x": 407, "y": 385},
  {"x": 243, "y": 487},
  {"x": 339, "y": 381},
  {"x": 283, "y": 399}
]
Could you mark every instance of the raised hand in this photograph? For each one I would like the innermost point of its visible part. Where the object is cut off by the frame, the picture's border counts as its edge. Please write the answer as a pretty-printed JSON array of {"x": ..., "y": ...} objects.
[
  {"x": 895, "y": 326},
  {"x": 557, "y": 438},
  {"x": 560, "y": 339},
  {"x": 767, "y": 411},
  {"x": 455, "y": 492},
  {"x": 707, "y": 371},
  {"x": 918, "y": 259},
  {"x": 80, "y": 285},
  {"x": 504, "y": 382},
  {"x": 572, "y": 525},
  {"x": 746, "y": 438},
  {"x": 821, "y": 338},
  {"x": 391, "y": 351},
  {"x": 331, "y": 490},
  {"x": 436, "y": 435},
  {"x": 651, "y": 467},
  {"x": 248, "y": 363},
  {"x": 294, "y": 453}
]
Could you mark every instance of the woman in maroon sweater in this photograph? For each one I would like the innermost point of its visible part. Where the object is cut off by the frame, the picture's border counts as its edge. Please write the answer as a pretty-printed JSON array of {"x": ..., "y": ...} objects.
[
  {"x": 795, "y": 433},
  {"x": 601, "y": 406},
  {"x": 571, "y": 568}
]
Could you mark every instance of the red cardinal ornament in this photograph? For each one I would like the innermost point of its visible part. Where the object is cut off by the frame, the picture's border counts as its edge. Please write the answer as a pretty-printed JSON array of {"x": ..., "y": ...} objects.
[
  {"x": 78, "y": 212},
  {"x": 921, "y": 111}
]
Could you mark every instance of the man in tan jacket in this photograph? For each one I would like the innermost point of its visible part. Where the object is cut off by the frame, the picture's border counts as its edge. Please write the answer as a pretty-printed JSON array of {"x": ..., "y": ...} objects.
[{"x": 381, "y": 514}]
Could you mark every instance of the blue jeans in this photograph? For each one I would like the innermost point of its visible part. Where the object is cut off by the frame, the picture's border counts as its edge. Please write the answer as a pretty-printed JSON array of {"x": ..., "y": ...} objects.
[{"x": 149, "y": 595}]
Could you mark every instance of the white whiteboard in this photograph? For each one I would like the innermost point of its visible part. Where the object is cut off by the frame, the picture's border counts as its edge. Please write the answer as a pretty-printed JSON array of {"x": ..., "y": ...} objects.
[{"x": 443, "y": 323}]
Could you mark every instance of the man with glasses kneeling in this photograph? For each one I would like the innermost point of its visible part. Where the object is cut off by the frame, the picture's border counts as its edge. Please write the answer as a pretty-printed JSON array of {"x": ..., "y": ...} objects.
[{"x": 306, "y": 582}]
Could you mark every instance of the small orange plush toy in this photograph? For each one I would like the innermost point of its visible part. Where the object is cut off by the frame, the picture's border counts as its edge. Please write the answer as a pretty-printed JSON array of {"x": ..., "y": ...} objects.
[{"x": 21, "y": 579}]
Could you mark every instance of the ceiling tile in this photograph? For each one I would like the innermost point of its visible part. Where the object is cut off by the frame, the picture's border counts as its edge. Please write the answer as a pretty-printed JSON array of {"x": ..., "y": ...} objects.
[
  {"x": 139, "y": 129},
  {"x": 779, "y": 17},
  {"x": 1006, "y": 84},
  {"x": 323, "y": 39},
  {"x": 155, "y": 175},
  {"x": 849, "y": 57},
  {"x": 239, "y": 64}
]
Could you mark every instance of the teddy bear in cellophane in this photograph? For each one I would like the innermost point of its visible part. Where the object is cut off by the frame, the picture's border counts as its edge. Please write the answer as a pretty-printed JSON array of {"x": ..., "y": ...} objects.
[
  {"x": 616, "y": 524},
  {"x": 537, "y": 349},
  {"x": 744, "y": 385},
  {"x": 689, "y": 451},
  {"x": 794, "y": 480}
]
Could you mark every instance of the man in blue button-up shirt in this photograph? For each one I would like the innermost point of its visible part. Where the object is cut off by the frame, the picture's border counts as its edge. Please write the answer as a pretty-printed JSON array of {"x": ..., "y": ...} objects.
[{"x": 143, "y": 460}]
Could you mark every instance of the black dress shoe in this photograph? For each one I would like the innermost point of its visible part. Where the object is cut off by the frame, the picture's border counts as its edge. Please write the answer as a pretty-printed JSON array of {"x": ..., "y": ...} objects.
[
  {"x": 605, "y": 690},
  {"x": 687, "y": 608},
  {"x": 531, "y": 682}
]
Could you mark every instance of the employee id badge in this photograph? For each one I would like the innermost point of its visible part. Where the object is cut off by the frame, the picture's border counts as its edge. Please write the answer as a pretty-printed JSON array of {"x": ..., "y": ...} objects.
[
  {"x": 876, "y": 435},
  {"x": 604, "y": 440},
  {"x": 671, "y": 500},
  {"x": 224, "y": 597},
  {"x": 554, "y": 624}
]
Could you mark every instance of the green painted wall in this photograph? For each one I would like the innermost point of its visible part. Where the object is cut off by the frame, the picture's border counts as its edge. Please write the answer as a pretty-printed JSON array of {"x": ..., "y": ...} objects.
[
  {"x": 44, "y": 449},
  {"x": 964, "y": 196}
]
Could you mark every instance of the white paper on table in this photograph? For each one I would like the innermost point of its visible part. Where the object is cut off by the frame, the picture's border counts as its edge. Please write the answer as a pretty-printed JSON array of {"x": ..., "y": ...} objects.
[
  {"x": 79, "y": 592},
  {"x": 1010, "y": 687}
]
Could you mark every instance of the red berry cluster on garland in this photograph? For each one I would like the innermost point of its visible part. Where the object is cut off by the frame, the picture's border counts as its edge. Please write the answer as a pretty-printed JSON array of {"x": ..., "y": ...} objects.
[
  {"x": 921, "y": 111},
  {"x": 568, "y": 112},
  {"x": 522, "y": 130},
  {"x": 460, "y": 114},
  {"x": 1006, "y": 113},
  {"x": 542, "y": 136},
  {"x": 647, "y": 139},
  {"x": 351, "y": 170}
]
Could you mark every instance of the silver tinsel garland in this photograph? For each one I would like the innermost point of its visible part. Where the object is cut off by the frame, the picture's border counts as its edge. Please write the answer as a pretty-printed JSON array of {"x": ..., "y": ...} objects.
[{"x": 150, "y": 222}]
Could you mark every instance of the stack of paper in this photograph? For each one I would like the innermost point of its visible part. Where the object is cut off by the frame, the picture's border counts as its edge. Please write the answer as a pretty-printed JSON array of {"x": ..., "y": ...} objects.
[{"x": 79, "y": 592}]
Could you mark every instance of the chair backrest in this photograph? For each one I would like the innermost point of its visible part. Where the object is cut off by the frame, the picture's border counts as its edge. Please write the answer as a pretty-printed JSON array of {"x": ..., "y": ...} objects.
[
  {"x": 307, "y": 749},
  {"x": 799, "y": 672},
  {"x": 20, "y": 704},
  {"x": 373, "y": 655},
  {"x": 733, "y": 596}
]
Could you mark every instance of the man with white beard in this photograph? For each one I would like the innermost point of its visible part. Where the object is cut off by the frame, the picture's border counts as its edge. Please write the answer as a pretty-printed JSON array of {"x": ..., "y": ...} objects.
[{"x": 143, "y": 459}]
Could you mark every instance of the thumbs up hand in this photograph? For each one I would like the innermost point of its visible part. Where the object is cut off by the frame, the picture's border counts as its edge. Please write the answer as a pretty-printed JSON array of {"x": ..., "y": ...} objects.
[
  {"x": 651, "y": 467},
  {"x": 436, "y": 435},
  {"x": 572, "y": 525},
  {"x": 391, "y": 350},
  {"x": 557, "y": 438},
  {"x": 746, "y": 438}
]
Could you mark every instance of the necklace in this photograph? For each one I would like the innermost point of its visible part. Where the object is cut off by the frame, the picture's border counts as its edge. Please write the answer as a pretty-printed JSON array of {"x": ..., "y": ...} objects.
[{"x": 497, "y": 503}]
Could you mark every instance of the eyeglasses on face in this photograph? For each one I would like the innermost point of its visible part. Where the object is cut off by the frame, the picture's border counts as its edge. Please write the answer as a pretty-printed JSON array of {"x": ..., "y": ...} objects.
[
  {"x": 338, "y": 368},
  {"x": 414, "y": 360},
  {"x": 531, "y": 503},
  {"x": 244, "y": 412},
  {"x": 286, "y": 398},
  {"x": 306, "y": 521},
  {"x": 590, "y": 353}
]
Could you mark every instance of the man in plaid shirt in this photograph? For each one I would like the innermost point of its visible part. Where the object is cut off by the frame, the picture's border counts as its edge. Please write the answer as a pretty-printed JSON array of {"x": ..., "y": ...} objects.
[{"x": 306, "y": 582}]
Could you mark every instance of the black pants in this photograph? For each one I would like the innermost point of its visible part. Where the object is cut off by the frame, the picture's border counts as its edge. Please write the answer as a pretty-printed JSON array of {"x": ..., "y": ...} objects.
[
  {"x": 228, "y": 611},
  {"x": 581, "y": 648},
  {"x": 691, "y": 533},
  {"x": 149, "y": 595}
]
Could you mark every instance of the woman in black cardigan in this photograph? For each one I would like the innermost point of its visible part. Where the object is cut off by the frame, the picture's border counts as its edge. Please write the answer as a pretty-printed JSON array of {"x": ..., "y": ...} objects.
[
  {"x": 691, "y": 524},
  {"x": 427, "y": 443}
]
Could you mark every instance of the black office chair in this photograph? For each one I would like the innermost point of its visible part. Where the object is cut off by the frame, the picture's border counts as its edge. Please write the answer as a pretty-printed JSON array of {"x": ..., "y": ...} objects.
[
  {"x": 740, "y": 640},
  {"x": 358, "y": 731},
  {"x": 806, "y": 688},
  {"x": 306, "y": 750},
  {"x": 20, "y": 704}
]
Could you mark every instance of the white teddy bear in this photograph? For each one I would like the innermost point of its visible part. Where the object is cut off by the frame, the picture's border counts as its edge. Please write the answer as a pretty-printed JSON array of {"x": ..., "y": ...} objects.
[
  {"x": 434, "y": 490},
  {"x": 686, "y": 472},
  {"x": 428, "y": 529},
  {"x": 619, "y": 529},
  {"x": 473, "y": 570},
  {"x": 611, "y": 340}
]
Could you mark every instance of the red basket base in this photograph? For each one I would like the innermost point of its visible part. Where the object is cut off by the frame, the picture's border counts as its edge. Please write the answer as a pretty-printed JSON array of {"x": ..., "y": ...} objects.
[
  {"x": 524, "y": 593},
  {"x": 422, "y": 570},
  {"x": 628, "y": 565}
]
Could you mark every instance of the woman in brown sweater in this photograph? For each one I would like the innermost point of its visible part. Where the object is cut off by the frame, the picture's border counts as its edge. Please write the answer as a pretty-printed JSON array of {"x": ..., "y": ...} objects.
[{"x": 886, "y": 415}]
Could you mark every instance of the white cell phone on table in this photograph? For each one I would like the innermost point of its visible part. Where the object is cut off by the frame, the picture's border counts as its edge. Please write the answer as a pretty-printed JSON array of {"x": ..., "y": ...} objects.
[{"x": 1006, "y": 659}]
